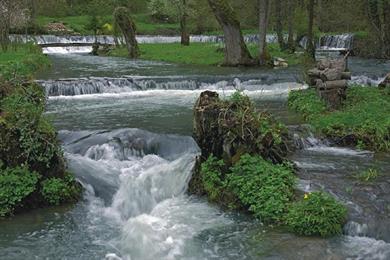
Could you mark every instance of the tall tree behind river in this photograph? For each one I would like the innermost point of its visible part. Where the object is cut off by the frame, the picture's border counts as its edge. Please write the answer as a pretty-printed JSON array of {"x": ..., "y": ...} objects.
[
  {"x": 127, "y": 26},
  {"x": 236, "y": 51}
]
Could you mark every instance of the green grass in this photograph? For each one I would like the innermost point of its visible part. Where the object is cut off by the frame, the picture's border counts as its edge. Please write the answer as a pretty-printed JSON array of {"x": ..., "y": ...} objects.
[
  {"x": 145, "y": 25},
  {"x": 196, "y": 53},
  {"x": 25, "y": 58},
  {"x": 364, "y": 118}
]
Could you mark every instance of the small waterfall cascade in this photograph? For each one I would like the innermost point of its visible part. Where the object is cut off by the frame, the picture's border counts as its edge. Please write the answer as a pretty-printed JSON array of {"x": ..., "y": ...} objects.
[
  {"x": 342, "y": 41},
  {"x": 96, "y": 85},
  {"x": 331, "y": 42},
  {"x": 108, "y": 39}
]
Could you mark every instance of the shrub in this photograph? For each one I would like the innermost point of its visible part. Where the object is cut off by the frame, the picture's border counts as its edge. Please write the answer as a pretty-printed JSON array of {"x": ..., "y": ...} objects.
[
  {"x": 15, "y": 185},
  {"x": 318, "y": 214},
  {"x": 211, "y": 172},
  {"x": 56, "y": 191},
  {"x": 263, "y": 187}
]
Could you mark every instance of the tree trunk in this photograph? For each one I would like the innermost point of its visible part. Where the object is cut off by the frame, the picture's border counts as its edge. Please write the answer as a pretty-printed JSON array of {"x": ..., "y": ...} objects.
[
  {"x": 290, "y": 17},
  {"x": 236, "y": 51},
  {"x": 185, "y": 36},
  {"x": 127, "y": 26},
  {"x": 263, "y": 23},
  {"x": 279, "y": 24},
  {"x": 386, "y": 21},
  {"x": 376, "y": 23},
  {"x": 33, "y": 15},
  {"x": 310, "y": 41}
]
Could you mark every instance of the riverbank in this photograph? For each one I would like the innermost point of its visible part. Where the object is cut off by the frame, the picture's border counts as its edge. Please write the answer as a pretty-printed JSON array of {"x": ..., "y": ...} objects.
[
  {"x": 197, "y": 53},
  {"x": 362, "y": 122},
  {"x": 32, "y": 166},
  {"x": 27, "y": 59}
]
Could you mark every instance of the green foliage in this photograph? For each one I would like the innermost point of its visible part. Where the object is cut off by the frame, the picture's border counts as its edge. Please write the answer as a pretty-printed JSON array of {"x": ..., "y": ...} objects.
[
  {"x": 364, "y": 116},
  {"x": 15, "y": 185},
  {"x": 212, "y": 179},
  {"x": 28, "y": 139},
  {"x": 306, "y": 102},
  {"x": 56, "y": 191},
  {"x": 23, "y": 120},
  {"x": 265, "y": 188},
  {"x": 369, "y": 175},
  {"x": 318, "y": 214}
]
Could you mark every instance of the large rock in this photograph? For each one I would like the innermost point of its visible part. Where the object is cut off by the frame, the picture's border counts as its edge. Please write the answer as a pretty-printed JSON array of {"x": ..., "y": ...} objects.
[{"x": 386, "y": 82}]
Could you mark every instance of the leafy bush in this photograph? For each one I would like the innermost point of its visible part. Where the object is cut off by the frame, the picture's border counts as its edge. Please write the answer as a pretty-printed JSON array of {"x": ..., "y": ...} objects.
[
  {"x": 23, "y": 121},
  {"x": 56, "y": 191},
  {"x": 211, "y": 172},
  {"x": 317, "y": 215},
  {"x": 263, "y": 187},
  {"x": 15, "y": 185}
]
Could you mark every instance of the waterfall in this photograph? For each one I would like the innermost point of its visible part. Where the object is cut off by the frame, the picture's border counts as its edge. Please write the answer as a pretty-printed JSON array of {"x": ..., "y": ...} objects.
[
  {"x": 331, "y": 42},
  {"x": 342, "y": 41},
  {"x": 95, "y": 85}
]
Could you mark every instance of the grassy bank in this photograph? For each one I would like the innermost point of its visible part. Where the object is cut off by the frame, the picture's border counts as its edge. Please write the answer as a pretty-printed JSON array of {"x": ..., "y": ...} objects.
[
  {"x": 364, "y": 121},
  {"x": 196, "y": 53},
  {"x": 32, "y": 166},
  {"x": 24, "y": 58}
]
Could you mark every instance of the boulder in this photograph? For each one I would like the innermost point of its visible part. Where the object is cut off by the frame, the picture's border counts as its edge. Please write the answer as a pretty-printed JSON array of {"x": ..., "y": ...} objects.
[{"x": 279, "y": 62}]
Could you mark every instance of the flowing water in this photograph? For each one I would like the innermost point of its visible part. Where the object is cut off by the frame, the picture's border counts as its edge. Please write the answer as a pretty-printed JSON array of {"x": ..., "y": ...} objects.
[{"x": 126, "y": 131}]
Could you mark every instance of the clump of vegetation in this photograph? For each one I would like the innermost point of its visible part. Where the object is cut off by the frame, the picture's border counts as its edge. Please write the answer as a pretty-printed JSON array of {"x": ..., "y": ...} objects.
[
  {"x": 212, "y": 179},
  {"x": 363, "y": 120},
  {"x": 369, "y": 175},
  {"x": 16, "y": 184},
  {"x": 56, "y": 191},
  {"x": 29, "y": 151},
  {"x": 318, "y": 214},
  {"x": 265, "y": 188}
]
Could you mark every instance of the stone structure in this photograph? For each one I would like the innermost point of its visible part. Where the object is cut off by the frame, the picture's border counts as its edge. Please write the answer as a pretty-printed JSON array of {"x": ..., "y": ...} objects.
[{"x": 330, "y": 78}]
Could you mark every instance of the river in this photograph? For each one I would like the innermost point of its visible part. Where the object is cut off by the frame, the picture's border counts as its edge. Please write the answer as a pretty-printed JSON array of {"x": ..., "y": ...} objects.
[{"x": 126, "y": 131}]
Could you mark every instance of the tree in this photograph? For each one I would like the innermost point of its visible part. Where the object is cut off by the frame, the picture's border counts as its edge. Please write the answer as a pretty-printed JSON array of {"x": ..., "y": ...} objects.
[
  {"x": 279, "y": 24},
  {"x": 378, "y": 14},
  {"x": 12, "y": 14},
  {"x": 263, "y": 24},
  {"x": 182, "y": 12},
  {"x": 310, "y": 39},
  {"x": 236, "y": 51},
  {"x": 127, "y": 26},
  {"x": 185, "y": 36},
  {"x": 290, "y": 20}
]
